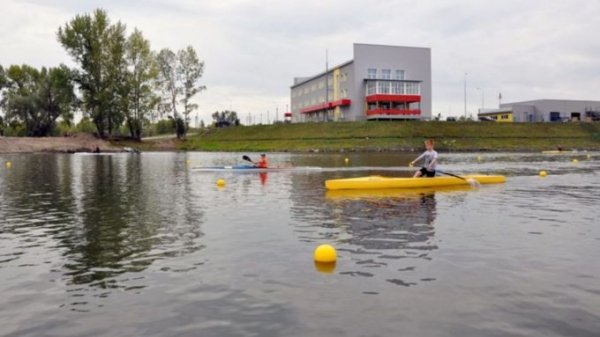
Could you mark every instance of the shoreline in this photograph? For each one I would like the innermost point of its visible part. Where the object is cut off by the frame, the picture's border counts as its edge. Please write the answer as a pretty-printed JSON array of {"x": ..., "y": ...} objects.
[{"x": 340, "y": 137}]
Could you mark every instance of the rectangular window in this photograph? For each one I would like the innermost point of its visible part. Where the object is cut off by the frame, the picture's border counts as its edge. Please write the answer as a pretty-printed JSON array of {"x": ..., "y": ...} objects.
[
  {"x": 386, "y": 74},
  {"x": 555, "y": 116},
  {"x": 372, "y": 73},
  {"x": 400, "y": 75}
]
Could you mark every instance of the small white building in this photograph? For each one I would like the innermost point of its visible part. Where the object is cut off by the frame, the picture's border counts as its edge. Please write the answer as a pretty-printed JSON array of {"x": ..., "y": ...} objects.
[{"x": 544, "y": 110}]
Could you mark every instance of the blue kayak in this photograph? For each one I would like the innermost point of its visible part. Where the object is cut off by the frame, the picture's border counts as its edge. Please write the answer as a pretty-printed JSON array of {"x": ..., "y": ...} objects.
[{"x": 251, "y": 168}]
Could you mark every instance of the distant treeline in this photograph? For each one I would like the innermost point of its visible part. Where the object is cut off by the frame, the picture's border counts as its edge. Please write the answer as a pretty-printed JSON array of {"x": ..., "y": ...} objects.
[{"x": 119, "y": 81}]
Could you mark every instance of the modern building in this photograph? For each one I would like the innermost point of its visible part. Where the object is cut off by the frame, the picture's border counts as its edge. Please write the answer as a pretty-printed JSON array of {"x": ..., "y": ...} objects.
[
  {"x": 380, "y": 82},
  {"x": 544, "y": 110}
]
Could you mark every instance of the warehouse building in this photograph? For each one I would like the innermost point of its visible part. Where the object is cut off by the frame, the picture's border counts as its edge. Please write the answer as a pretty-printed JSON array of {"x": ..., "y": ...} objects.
[
  {"x": 379, "y": 83},
  {"x": 544, "y": 110}
]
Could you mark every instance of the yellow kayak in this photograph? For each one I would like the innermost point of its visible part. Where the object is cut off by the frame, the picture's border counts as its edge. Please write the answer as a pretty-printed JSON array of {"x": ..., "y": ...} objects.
[
  {"x": 379, "y": 182},
  {"x": 386, "y": 193}
]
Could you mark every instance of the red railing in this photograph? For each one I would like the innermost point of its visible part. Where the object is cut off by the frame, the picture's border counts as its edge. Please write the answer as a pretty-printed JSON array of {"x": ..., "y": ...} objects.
[
  {"x": 394, "y": 112},
  {"x": 393, "y": 98},
  {"x": 324, "y": 106}
]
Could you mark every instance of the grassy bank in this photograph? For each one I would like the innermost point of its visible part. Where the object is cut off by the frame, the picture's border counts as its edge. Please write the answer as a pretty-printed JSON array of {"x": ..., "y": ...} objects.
[{"x": 398, "y": 136}]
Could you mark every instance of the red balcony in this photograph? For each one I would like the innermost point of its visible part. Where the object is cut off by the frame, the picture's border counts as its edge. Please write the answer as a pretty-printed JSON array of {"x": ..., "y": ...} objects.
[
  {"x": 325, "y": 106},
  {"x": 393, "y": 98},
  {"x": 394, "y": 112}
]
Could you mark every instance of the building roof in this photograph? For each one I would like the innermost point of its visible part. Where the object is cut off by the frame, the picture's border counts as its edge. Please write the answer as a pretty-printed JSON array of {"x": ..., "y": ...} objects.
[{"x": 310, "y": 78}]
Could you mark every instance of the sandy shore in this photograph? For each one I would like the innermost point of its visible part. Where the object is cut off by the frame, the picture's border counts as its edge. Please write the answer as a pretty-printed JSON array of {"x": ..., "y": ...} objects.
[{"x": 76, "y": 143}]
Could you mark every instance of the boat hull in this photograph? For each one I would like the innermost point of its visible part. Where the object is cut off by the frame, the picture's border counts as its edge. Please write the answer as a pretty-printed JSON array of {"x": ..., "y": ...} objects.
[{"x": 379, "y": 182}]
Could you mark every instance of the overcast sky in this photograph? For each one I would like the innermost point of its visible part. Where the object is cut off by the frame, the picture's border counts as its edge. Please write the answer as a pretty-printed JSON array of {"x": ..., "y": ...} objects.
[{"x": 252, "y": 49}]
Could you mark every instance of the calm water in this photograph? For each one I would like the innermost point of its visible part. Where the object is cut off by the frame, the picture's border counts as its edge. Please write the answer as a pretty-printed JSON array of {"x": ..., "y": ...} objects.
[{"x": 145, "y": 245}]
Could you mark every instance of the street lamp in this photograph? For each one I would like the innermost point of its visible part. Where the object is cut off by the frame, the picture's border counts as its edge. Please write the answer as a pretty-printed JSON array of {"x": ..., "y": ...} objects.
[
  {"x": 466, "y": 95},
  {"x": 482, "y": 98}
]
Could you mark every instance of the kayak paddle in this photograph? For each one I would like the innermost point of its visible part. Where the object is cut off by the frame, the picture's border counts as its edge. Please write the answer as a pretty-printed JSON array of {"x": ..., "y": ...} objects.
[
  {"x": 246, "y": 158},
  {"x": 471, "y": 181}
]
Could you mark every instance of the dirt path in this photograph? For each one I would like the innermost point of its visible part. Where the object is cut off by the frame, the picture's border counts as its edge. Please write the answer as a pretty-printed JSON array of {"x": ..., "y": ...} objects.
[{"x": 76, "y": 143}]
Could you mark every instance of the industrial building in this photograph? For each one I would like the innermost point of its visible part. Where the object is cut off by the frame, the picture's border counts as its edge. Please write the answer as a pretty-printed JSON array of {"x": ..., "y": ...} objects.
[
  {"x": 544, "y": 110},
  {"x": 379, "y": 83}
]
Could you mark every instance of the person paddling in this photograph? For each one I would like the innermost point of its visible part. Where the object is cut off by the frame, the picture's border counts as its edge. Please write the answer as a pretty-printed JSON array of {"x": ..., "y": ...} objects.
[
  {"x": 430, "y": 161},
  {"x": 262, "y": 162}
]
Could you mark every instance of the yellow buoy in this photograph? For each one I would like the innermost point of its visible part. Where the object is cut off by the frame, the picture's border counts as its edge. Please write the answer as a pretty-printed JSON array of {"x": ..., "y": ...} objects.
[
  {"x": 221, "y": 182},
  {"x": 188, "y": 161},
  {"x": 346, "y": 160},
  {"x": 575, "y": 161},
  {"x": 543, "y": 173},
  {"x": 589, "y": 157},
  {"x": 325, "y": 254},
  {"x": 325, "y": 268},
  {"x": 478, "y": 158},
  {"x": 8, "y": 164}
]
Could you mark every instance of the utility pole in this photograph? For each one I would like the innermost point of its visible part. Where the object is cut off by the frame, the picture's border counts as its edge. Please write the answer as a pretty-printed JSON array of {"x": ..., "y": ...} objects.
[
  {"x": 466, "y": 95},
  {"x": 482, "y": 98},
  {"x": 326, "y": 83}
]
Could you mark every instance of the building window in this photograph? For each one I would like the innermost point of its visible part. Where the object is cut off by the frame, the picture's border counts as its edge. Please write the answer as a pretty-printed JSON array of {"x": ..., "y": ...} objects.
[
  {"x": 372, "y": 73},
  {"x": 400, "y": 75},
  {"x": 386, "y": 74},
  {"x": 555, "y": 116}
]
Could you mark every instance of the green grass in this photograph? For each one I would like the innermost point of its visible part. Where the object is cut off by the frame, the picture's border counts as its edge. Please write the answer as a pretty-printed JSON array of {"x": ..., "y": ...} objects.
[{"x": 398, "y": 136}]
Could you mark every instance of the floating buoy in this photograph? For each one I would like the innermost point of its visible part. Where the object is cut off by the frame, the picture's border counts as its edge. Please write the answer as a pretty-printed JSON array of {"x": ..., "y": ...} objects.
[
  {"x": 478, "y": 158},
  {"x": 325, "y": 254},
  {"x": 575, "y": 161},
  {"x": 325, "y": 268},
  {"x": 543, "y": 173},
  {"x": 220, "y": 182},
  {"x": 346, "y": 160},
  {"x": 589, "y": 157},
  {"x": 188, "y": 161},
  {"x": 8, "y": 164}
]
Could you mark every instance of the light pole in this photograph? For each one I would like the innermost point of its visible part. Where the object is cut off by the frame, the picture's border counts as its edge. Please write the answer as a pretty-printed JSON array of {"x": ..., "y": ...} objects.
[
  {"x": 482, "y": 98},
  {"x": 466, "y": 95}
]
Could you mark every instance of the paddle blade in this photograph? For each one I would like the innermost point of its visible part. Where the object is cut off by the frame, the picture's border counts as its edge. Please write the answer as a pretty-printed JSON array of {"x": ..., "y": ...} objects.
[
  {"x": 246, "y": 158},
  {"x": 474, "y": 183}
]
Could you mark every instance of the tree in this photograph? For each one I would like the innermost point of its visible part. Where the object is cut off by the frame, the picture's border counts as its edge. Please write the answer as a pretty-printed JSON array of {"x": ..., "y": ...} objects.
[
  {"x": 167, "y": 82},
  {"x": 190, "y": 70},
  {"x": 142, "y": 71},
  {"x": 178, "y": 75},
  {"x": 225, "y": 118},
  {"x": 36, "y": 98},
  {"x": 98, "y": 48}
]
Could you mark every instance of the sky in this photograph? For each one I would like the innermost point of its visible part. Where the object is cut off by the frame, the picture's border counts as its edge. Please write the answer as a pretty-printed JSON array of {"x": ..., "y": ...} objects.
[{"x": 253, "y": 49}]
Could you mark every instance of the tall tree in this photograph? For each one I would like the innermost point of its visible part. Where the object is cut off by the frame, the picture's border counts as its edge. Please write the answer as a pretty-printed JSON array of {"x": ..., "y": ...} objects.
[
  {"x": 178, "y": 76},
  {"x": 37, "y": 98},
  {"x": 98, "y": 48},
  {"x": 168, "y": 81},
  {"x": 190, "y": 71},
  {"x": 142, "y": 72}
]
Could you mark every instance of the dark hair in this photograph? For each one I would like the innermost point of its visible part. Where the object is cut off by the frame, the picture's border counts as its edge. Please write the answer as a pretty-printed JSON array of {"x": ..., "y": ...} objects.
[{"x": 263, "y": 155}]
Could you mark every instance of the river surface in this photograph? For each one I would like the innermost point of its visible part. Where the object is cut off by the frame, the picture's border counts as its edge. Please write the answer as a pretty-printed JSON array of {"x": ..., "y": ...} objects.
[{"x": 148, "y": 245}]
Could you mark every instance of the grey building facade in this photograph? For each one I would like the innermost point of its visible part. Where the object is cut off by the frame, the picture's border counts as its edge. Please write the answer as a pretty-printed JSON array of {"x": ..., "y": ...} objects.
[
  {"x": 380, "y": 82},
  {"x": 545, "y": 110}
]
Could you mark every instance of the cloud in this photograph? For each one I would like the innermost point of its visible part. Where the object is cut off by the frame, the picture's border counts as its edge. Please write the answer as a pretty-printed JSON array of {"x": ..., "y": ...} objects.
[{"x": 253, "y": 49}]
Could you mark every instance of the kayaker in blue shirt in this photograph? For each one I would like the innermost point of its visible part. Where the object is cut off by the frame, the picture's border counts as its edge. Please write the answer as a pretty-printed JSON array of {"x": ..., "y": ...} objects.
[{"x": 430, "y": 161}]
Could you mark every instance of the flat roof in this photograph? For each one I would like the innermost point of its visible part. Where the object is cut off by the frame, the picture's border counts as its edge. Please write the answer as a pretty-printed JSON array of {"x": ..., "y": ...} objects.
[{"x": 310, "y": 78}]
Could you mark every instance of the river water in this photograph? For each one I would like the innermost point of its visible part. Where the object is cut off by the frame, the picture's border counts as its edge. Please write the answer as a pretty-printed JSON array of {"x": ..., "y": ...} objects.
[{"x": 148, "y": 245}]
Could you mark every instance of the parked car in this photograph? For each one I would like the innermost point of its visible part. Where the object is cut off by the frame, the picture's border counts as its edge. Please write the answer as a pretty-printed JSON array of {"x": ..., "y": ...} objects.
[
  {"x": 450, "y": 119},
  {"x": 486, "y": 119}
]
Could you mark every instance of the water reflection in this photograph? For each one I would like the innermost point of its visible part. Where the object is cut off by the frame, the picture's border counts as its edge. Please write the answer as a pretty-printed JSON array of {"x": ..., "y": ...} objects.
[
  {"x": 104, "y": 215},
  {"x": 387, "y": 228}
]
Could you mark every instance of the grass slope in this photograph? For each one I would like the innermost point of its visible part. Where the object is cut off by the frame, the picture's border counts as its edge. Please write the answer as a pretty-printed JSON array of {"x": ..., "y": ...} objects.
[{"x": 398, "y": 136}]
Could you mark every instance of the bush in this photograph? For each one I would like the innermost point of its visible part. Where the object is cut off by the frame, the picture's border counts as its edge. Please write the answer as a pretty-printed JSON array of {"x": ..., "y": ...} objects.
[
  {"x": 164, "y": 126},
  {"x": 86, "y": 125}
]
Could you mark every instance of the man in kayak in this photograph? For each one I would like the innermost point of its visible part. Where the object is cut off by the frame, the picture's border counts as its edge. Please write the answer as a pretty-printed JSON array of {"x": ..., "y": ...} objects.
[
  {"x": 262, "y": 163},
  {"x": 430, "y": 161}
]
